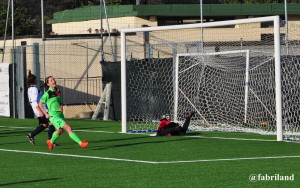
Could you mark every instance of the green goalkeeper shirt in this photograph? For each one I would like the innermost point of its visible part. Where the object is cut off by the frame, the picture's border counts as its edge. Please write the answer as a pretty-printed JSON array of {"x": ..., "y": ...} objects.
[{"x": 53, "y": 101}]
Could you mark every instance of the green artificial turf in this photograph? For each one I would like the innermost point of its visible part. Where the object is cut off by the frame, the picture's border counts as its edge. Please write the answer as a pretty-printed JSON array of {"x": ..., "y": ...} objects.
[{"x": 114, "y": 159}]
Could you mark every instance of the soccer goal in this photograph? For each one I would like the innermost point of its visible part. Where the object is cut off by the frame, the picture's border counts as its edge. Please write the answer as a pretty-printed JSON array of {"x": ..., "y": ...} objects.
[{"x": 228, "y": 72}]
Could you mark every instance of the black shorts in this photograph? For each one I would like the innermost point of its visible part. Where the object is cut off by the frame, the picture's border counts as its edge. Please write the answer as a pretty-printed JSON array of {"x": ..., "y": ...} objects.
[{"x": 43, "y": 120}]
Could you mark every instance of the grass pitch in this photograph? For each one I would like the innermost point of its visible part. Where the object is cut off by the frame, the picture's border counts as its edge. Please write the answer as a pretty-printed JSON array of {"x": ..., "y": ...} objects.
[{"x": 113, "y": 159}]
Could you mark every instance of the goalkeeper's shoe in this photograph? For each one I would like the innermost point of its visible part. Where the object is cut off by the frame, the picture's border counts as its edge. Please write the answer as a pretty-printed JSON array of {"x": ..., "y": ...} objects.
[
  {"x": 50, "y": 145},
  {"x": 30, "y": 139},
  {"x": 191, "y": 114},
  {"x": 84, "y": 144}
]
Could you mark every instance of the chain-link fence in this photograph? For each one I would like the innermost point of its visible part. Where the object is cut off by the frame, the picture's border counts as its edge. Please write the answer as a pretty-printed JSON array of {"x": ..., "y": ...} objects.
[{"x": 75, "y": 66}]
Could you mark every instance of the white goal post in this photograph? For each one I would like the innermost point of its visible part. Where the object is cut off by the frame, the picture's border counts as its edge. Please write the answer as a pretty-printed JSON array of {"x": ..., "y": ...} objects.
[{"x": 126, "y": 56}]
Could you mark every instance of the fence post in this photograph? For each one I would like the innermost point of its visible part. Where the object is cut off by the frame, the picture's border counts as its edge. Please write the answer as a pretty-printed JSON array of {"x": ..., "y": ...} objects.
[{"x": 36, "y": 63}]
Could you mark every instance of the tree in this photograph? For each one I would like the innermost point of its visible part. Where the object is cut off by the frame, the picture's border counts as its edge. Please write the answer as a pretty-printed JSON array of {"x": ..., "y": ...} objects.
[
  {"x": 249, "y": 1},
  {"x": 28, "y": 12},
  {"x": 260, "y": 1},
  {"x": 231, "y": 1}
]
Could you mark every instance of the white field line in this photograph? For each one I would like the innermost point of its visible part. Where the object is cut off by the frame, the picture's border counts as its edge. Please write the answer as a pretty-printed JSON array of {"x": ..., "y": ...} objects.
[
  {"x": 92, "y": 131},
  {"x": 16, "y": 127},
  {"x": 76, "y": 156},
  {"x": 229, "y": 159},
  {"x": 152, "y": 162},
  {"x": 74, "y": 130},
  {"x": 243, "y": 139},
  {"x": 222, "y": 138},
  {"x": 148, "y": 162}
]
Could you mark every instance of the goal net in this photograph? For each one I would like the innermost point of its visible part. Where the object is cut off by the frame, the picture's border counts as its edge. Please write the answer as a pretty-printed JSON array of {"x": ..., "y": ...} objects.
[
  {"x": 229, "y": 91},
  {"x": 236, "y": 75}
]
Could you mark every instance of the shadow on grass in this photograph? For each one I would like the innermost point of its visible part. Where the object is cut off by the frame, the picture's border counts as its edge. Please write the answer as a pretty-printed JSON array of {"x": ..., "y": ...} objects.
[
  {"x": 139, "y": 142},
  {"x": 135, "y": 141},
  {"x": 92, "y": 128},
  {"x": 121, "y": 139},
  {"x": 14, "y": 133},
  {"x": 13, "y": 143},
  {"x": 193, "y": 133},
  {"x": 28, "y": 182}
]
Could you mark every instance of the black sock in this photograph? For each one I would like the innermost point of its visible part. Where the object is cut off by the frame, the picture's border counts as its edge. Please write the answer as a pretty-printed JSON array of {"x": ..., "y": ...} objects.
[
  {"x": 37, "y": 130},
  {"x": 186, "y": 124},
  {"x": 50, "y": 131}
]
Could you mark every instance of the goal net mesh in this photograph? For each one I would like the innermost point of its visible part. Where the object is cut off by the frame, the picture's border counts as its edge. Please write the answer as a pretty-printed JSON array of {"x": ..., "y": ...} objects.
[{"x": 214, "y": 86}]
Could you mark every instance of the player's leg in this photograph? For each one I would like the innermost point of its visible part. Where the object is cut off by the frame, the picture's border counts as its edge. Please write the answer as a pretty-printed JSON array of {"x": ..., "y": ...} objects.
[
  {"x": 169, "y": 130},
  {"x": 74, "y": 136},
  {"x": 43, "y": 124},
  {"x": 165, "y": 132},
  {"x": 58, "y": 122},
  {"x": 187, "y": 121},
  {"x": 172, "y": 125},
  {"x": 51, "y": 130}
]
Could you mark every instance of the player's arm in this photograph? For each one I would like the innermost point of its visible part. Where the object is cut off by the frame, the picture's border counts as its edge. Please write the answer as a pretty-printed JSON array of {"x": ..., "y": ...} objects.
[
  {"x": 44, "y": 100},
  {"x": 43, "y": 110},
  {"x": 58, "y": 93},
  {"x": 39, "y": 109},
  {"x": 161, "y": 125},
  {"x": 33, "y": 98}
]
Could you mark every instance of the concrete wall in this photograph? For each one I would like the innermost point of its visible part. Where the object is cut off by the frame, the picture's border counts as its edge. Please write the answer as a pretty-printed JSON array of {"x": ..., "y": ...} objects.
[{"x": 90, "y": 26}]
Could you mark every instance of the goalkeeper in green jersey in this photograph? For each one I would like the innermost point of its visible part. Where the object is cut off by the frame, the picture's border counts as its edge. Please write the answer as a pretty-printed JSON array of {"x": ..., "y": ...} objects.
[{"x": 53, "y": 101}]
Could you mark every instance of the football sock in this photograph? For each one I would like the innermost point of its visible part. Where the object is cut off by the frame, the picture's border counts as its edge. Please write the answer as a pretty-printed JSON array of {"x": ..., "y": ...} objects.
[
  {"x": 186, "y": 124},
  {"x": 54, "y": 137},
  {"x": 37, "y": 130},
  {"x": 50, "y": 131},
  {"x": 74, "y": 137}
]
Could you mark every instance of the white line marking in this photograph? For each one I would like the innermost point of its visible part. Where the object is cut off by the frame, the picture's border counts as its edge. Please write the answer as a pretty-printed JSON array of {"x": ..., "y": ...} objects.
[
  {"x": 222, "y": 138},
  {"x": 74, "y": 130},
  {"x": 91, "y": 131},
  {"x": 16, "y": 127},
  {"x": 230, "y": 159},
  {"x": 244, "y": 139},
  {"x": 148, "y": 162},
  {"x": 77, "y": 156}
]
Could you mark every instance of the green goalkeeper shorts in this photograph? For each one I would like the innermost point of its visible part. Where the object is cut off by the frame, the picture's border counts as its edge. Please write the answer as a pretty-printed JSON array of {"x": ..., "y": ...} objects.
[{"x": 58, "y": 121}]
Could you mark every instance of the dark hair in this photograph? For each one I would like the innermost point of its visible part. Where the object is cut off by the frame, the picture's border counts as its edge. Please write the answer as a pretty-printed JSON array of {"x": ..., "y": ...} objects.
[
  {"x": 46, "y": 82},
  {"x": 31, "y": 79}
]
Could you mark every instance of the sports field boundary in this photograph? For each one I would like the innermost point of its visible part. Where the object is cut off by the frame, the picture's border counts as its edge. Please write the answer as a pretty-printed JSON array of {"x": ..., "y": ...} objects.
[
  {"x": 208, "y": 137},
  {"x": 149, "y": 162}
]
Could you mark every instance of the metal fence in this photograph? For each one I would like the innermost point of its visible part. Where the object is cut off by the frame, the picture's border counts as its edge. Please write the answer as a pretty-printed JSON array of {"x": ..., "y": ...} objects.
[
  {"x": 80, "y": 91},
  {"x": 74, "y": 64}
]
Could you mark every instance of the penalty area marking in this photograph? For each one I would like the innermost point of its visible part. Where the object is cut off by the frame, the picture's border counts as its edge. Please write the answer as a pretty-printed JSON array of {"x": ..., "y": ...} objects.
[
  {"x": 148, "y": 162},
  {"x": 242, "y": 139}
]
